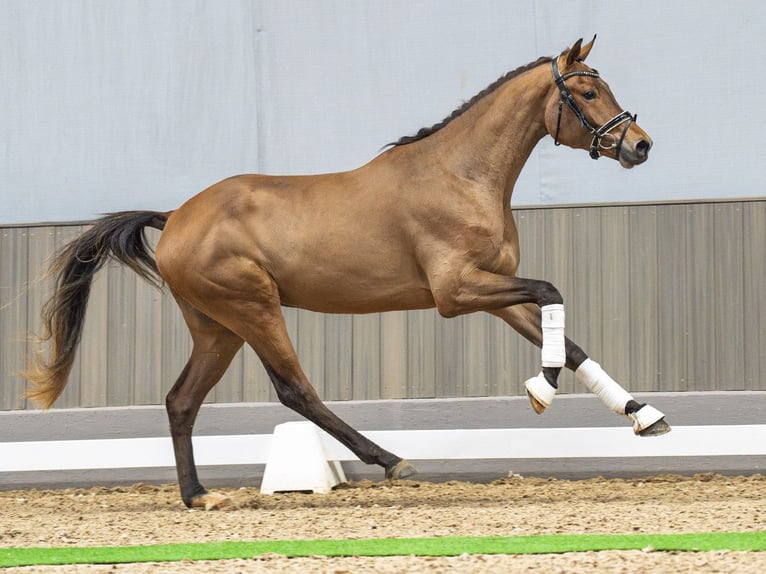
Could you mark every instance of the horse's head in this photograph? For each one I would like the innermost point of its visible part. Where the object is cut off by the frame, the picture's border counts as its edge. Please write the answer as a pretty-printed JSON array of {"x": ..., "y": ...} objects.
[{"x": 582, "y": 112}]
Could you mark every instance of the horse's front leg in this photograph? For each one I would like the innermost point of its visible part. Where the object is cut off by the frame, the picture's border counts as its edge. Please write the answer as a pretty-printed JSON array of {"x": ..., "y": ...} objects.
[
  {"x": 479, "y": 290},
  {"x": 647, "y": 420},
  {"x": 536, "y": 309}
]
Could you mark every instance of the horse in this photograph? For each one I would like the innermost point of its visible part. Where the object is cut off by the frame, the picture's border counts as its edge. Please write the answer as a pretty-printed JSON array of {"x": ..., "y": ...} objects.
[{"x": 426, "y": 223}]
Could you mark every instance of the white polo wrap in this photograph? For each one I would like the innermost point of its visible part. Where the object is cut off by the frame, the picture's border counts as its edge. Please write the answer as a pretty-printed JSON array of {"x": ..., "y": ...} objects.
[
  {"x": 590, "y": 374},
  {"x": 554, "y": 349}
]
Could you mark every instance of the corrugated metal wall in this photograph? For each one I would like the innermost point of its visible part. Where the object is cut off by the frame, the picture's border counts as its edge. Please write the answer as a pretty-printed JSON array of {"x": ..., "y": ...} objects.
[{"x": 668, "y": 297}]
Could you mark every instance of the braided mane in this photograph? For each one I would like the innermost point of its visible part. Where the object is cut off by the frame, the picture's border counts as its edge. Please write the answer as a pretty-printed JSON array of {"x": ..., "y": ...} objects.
[{"x": 427, "y": 131}]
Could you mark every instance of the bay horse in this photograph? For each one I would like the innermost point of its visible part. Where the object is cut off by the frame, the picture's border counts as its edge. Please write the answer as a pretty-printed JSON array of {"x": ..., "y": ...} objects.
[{"x": 427, "y": 223}]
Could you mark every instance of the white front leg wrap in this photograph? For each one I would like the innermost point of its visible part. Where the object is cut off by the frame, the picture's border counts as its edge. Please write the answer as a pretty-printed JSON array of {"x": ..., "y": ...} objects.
[
  {"x": 554, "y": 352},
  {"x": 590, "y": 374}
]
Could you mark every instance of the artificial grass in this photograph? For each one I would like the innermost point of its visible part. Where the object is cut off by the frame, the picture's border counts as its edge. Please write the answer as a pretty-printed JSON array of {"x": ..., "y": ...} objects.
[{"x": 445, "y": 546}]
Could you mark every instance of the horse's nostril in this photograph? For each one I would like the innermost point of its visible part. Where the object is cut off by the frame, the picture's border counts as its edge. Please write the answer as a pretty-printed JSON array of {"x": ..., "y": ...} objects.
[{"x": 643, "y": 147}]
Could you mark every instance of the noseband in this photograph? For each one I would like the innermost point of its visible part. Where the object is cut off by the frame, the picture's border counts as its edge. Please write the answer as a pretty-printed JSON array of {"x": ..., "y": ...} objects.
[{"x": 596, "y": 145}]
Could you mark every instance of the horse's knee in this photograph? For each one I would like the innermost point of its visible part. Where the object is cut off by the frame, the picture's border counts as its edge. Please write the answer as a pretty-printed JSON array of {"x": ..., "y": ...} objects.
[{"x": 547, "y": 294}]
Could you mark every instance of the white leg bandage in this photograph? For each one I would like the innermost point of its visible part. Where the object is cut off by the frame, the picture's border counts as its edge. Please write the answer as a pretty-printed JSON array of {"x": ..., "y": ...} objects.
[
  {"x": 602, "y": 385},
  {"x": 554, "y": 349}
]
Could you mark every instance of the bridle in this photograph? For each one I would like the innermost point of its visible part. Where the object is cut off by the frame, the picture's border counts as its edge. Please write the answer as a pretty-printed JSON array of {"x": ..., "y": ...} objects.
[{"x": 596, "y": 145}]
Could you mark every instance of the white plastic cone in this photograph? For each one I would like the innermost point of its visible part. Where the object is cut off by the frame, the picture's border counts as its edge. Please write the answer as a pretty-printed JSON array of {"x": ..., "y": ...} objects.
[{"x": 297, "y": 461}]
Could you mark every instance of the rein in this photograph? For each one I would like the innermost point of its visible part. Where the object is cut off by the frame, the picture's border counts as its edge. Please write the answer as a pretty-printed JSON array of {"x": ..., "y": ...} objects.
[{"x": 599, "y": 134}]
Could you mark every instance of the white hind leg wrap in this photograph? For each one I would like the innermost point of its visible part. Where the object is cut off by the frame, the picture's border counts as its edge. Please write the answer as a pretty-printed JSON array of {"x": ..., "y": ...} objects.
[
  {"x": 554, "y": 349},
  {"x": 590, "y": 374}
]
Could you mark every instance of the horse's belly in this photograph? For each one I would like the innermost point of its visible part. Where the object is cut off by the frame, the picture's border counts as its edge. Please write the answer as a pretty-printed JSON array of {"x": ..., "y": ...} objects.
[{"x": 349, "y": 294}]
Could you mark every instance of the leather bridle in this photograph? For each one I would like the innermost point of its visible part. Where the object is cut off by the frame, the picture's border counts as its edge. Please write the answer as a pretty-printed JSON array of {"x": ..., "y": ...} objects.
[{"x": 596, "y": 145}]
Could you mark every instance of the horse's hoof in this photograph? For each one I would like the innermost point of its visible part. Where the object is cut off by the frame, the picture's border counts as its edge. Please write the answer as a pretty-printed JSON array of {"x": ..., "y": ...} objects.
[
  {"x": 538, "y": 407},
  {"x": 211, "y": 501},
  {"x": 540, "y": 393},
  {"x": 656, "y": 429},
  {"x": 648, "y": 421},
  {"x": 401, "y": 469}
]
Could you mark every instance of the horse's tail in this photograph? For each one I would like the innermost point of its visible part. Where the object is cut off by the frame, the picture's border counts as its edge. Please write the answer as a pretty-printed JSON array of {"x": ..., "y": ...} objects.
[{"x": 120, "y": 236}]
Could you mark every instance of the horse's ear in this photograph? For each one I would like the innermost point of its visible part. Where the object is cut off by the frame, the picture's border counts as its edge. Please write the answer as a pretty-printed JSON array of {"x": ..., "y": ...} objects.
[
  {"x": 585, "y": 50},
  {"x": 574, "y": 53}
]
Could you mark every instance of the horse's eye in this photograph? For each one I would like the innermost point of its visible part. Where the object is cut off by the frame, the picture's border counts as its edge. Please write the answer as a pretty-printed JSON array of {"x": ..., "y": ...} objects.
[{"x": 589, "y": 95}]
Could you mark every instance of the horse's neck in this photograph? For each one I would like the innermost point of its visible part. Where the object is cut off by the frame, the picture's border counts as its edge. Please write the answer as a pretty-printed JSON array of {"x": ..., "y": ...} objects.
[{"x": 491, "y": 142}]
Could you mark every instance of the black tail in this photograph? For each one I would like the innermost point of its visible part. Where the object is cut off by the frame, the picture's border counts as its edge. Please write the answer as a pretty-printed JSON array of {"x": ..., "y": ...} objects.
[{"x": 120, "y": 236}]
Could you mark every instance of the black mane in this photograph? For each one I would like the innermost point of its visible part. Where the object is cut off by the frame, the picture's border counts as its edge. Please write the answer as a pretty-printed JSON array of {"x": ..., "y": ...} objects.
[{"x": 425, "y": 132}]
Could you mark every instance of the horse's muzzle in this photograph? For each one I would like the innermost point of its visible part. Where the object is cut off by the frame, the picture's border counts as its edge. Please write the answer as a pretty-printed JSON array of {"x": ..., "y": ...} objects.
[{"x": 632, "y": 155}]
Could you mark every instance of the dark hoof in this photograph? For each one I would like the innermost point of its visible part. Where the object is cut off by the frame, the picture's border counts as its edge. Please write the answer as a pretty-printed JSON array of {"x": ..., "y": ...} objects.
[
  {"x": 537, "y": 406},
  {"x": 656, "y": 429},
  {"x": 401, "y": 469}
]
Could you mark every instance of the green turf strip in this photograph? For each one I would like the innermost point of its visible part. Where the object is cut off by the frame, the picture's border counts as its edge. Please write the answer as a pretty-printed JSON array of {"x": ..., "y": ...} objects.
[{"x": 446, "y": 546}]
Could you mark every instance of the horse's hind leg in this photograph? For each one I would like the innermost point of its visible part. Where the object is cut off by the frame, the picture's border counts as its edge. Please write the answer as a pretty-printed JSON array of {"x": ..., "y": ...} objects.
[
  {"x": 273, "y": 346},
  {"x": 214, "y": 348},
  {"x": 647, "y": 421},
  {"x": 295, "y": 392},
  {"x": 261, "y": 324}
]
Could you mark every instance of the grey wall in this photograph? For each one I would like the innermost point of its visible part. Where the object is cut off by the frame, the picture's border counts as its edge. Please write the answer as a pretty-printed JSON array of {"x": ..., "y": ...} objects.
[
  {"x": 140, "y": 104},
  {"x": 668, "y": 297}
]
